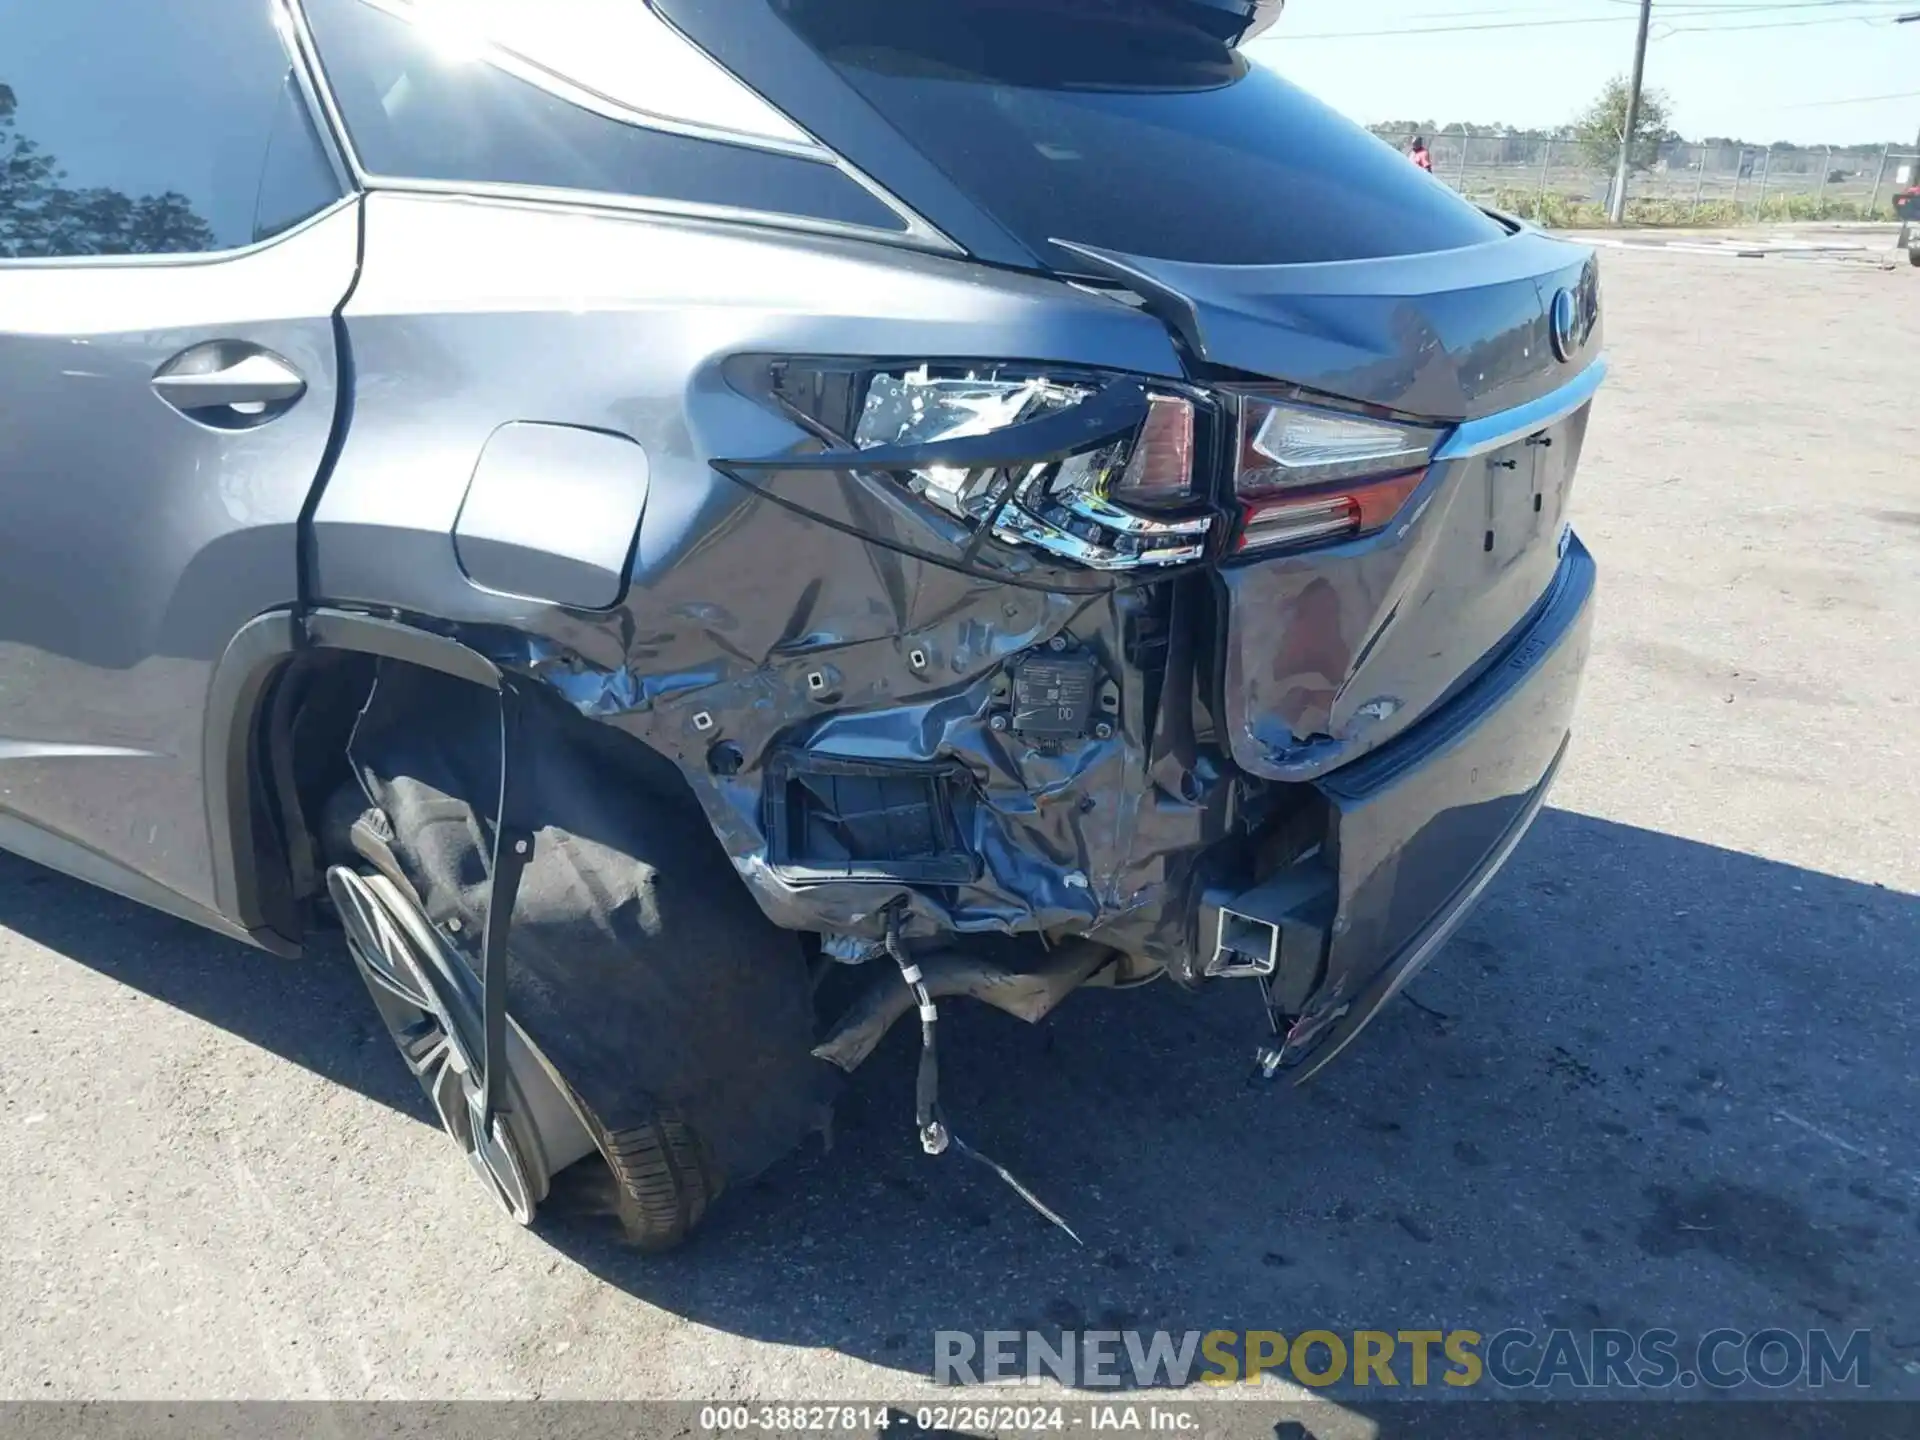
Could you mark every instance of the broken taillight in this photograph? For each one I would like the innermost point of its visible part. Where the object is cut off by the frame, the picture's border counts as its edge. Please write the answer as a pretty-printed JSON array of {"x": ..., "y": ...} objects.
[
  {"x": 1131, "y": 495},
  {"x": 1112, "y": 472},
  {"x": 1305, "y": 475}
]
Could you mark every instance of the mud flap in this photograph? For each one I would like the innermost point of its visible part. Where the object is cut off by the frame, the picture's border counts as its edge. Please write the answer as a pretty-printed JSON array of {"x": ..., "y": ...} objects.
[{"x": 640, "y": 968}]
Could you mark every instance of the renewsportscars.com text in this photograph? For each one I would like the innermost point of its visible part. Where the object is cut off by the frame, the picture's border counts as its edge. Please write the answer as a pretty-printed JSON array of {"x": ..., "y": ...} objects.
[{"x": 1512, "y": 1359}]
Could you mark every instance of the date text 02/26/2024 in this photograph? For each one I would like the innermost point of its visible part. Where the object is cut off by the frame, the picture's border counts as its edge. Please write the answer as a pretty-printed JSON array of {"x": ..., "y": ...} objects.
[{"x": 946, "y": 1418}]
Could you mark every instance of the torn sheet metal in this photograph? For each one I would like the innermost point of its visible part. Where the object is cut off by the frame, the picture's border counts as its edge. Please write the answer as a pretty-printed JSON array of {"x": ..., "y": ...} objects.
[{"x": 839, "y": 646}]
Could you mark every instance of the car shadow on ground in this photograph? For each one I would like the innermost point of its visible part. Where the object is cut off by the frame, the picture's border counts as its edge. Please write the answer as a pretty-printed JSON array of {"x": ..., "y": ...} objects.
[{"x": 1650, "y": 1083}]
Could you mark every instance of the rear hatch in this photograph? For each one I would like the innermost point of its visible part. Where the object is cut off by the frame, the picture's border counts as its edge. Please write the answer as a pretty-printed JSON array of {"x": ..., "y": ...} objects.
[
  {"x": 1129, "y": 143},
  {"x": 1127, "y": 124},
  {"x": 1330, "y": 652}
]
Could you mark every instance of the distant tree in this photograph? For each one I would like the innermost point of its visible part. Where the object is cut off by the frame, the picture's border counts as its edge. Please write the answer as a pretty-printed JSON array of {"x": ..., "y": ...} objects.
[
  {"x": 165, "y": 224},
  {"x": 27, "y": 177},
  {"x": 41, "y": 216},
  {"x": 1404, "y": 127},
  {"x": 1601, "y": 127}
]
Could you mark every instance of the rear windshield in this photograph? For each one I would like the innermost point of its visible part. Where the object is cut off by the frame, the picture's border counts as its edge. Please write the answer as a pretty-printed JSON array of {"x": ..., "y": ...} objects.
[{"x": 1117, "y": 125}]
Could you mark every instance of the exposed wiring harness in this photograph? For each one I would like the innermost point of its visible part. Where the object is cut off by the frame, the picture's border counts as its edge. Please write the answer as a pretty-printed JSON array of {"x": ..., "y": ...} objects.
[
  {"x": 935, "y": 1136},
  {"x": 926, "y": 1086}
]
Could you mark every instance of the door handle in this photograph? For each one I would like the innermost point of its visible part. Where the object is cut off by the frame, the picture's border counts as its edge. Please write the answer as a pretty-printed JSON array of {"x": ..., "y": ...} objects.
[{"x": 205, "y": 379}]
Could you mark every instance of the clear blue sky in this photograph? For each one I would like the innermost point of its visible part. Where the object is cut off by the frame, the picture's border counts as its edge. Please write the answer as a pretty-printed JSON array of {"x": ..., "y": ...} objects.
[{"x": 1759, "y": 70}]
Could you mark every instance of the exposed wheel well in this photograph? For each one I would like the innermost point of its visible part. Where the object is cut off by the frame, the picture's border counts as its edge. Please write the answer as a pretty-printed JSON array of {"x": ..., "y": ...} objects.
[
  {"x": 286, "y": 756},
  {"x": 277, "y": 764}
]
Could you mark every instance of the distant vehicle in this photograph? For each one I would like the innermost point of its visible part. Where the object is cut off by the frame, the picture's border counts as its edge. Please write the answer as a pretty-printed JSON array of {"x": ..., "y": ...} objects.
[
  {"x": 1906, "y": 205},
  {"x": 696, "y": 531}
]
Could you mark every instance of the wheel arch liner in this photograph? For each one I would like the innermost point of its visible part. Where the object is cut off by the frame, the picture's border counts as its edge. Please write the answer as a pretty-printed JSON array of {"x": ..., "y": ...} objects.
[
  {"x": 635, "y": 970},
  {"x": 236, "y": 705}
]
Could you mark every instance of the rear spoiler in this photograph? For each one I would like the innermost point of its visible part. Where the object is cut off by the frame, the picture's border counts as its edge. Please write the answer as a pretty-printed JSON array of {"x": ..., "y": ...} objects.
[
  {"x": 1234, "y": 21},
  {"x": 1445, "y": 335}
]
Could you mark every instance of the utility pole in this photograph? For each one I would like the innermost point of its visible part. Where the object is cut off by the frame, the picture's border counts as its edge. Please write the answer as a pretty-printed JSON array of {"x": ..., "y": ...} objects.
[
  {"x": 1914, "y": 173},
  {"x": 1617, "y": 211},
  {"x": 1909, "y": 19}
]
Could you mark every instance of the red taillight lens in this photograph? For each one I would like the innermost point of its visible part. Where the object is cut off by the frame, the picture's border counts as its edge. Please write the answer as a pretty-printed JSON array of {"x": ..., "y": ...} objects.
[
  {"x": 1308, "y": 475},
  {"x": 1324, "y": 516}
]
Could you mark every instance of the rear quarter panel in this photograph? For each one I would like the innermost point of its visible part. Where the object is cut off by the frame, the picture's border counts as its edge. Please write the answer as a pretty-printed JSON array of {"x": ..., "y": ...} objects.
[{"x": 470, "y": 315}]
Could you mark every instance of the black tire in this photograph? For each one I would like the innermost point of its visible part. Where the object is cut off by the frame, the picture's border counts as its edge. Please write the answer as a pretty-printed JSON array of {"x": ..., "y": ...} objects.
[
  {"x": 1913, "y": 256},
  {"x": 663, "y": 1179},
  {"x": 679, "y": 1017}
]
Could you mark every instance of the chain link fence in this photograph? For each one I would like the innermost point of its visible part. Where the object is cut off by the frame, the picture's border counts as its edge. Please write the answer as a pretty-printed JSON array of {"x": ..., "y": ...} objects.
[{"x": 1561, "y": 183}]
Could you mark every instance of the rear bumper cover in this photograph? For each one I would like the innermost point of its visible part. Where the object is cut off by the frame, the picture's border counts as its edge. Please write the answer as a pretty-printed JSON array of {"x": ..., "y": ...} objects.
[
  {"x": 1122, "y": 840},
  {"x": 1421, "y": 826}
]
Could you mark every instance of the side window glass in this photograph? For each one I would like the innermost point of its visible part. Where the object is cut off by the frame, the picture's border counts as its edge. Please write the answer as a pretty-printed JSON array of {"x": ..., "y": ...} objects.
[
  {"x": 419, "y": 108},
  {"x": 297, "y": 179},
  {"x": 624, "y": 51},
  {"x": 145, "y": 129}
]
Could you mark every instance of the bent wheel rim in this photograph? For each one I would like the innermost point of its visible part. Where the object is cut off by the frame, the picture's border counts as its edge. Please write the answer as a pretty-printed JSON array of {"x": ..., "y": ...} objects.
[{"x": 406, "y": 989}]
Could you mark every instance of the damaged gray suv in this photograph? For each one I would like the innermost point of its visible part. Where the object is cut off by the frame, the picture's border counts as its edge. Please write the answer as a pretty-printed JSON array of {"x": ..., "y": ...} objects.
[{"x": 696, "y": 530}]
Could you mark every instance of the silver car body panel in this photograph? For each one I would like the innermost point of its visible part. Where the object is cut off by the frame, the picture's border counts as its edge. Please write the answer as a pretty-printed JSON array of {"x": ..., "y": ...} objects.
[
  {"x": 472, "y": 313},
  {"x": 551, "y": 513},
  {"x": 746, "y": 619},
  {"x": 532, "y": 469},
  {"x": 134, "y": 540},
  {"x": 799, "y": 615}
]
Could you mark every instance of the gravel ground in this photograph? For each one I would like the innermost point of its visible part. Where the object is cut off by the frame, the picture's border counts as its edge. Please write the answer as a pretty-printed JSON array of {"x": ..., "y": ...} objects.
[{"x": 1664, "y": 1076}]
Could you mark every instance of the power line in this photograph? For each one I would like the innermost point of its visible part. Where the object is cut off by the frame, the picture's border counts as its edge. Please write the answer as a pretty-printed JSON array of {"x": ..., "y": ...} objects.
[
  {"x": 1779, "y": 25},
  {"x": 1853, "y": 100},
  {"x": 1686, "y": 9}
]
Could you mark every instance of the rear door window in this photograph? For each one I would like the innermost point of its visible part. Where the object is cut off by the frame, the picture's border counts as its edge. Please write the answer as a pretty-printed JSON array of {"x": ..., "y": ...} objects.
[
  {"x": 1118, "y": 125},
  {"x": 150, "y": 129},
  {"x": 420, "y": 108}
]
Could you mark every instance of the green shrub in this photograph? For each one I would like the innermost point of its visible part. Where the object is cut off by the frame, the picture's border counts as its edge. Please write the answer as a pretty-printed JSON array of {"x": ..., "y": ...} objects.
[{"x": 1568, "y": 212}]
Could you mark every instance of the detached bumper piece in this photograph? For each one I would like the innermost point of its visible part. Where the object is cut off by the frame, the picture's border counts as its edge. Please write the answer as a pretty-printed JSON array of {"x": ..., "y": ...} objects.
[{"x": 1420, "y": 827}]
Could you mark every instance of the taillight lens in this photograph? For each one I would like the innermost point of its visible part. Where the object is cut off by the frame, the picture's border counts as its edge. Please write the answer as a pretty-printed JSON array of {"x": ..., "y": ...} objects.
[
  {"x": 1124, "y": 471},
  {"x": 1306, "y": 475},
  {"x": 1134, "y": 501}
]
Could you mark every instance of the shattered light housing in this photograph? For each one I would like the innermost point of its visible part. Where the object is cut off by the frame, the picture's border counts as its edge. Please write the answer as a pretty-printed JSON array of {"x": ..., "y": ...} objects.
[
  {"x": 1133, "y": 501},
  {"x": 1134, "y": 483}
]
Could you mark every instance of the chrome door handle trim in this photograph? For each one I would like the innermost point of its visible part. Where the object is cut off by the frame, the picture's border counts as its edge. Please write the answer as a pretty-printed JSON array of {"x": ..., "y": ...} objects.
[{"x": 259, "y": 379}]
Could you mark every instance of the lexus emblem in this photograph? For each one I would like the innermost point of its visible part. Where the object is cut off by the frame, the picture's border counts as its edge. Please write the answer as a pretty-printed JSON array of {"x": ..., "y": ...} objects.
[{"x": 1566, "y": 325}]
